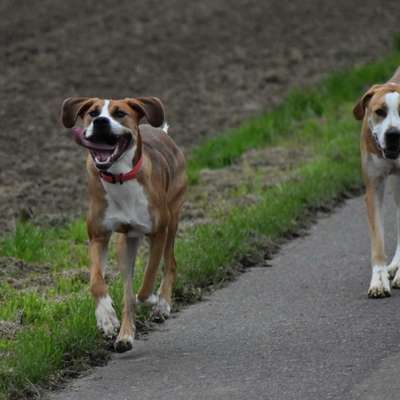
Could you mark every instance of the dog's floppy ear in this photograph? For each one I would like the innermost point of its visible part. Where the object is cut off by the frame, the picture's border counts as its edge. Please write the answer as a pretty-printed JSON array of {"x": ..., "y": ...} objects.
[
  {"x": 74, "y": 107},
  {"x": 149, "y": 107},
  {"x": 362, "y": 104}
]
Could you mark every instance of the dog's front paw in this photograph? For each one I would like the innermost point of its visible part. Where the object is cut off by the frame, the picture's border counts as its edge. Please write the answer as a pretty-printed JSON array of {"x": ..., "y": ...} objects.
[
  {"x": 396, "y": 280},
  {"x": 380, "y": 284},
  {"x": 394, "y": 265},
  {"x": 161, "y": 311},
  {"x": 152, "y": 300},
  {"x": 106, "y": 317},
  {"x": 123, "y": 343},
  {"x": 392, "y": 270}
]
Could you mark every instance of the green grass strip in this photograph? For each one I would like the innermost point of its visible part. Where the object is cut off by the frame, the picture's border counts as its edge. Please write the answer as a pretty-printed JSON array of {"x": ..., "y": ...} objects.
[
  {"x": 34, "y": 244},
  {"x": 300, "y": 104}
]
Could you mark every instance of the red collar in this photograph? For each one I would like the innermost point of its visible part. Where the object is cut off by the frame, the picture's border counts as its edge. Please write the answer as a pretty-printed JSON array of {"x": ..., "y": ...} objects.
[{"x": 121, "y": 178}]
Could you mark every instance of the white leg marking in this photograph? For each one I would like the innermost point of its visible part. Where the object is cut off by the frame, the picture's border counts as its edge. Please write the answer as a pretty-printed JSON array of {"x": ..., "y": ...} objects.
[
  {"x": 396, "y": 280},
  {"x": 162, "y": 309},
  {"x": 152, "y": 300},
  {"x": 106, "y": 317},
  {"x": 380, "y": 284},
  {"x": 394, "y": 265}
]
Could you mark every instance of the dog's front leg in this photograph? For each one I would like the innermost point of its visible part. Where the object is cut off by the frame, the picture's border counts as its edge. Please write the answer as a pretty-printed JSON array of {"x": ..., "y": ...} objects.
[
  {"x": 126, "y": 253},
  {"x": 157, "y": 244},
  {"x": 380, "y": 284},
  {"x": 393, "y": 268},
  {"x": 106, "y": 317}
]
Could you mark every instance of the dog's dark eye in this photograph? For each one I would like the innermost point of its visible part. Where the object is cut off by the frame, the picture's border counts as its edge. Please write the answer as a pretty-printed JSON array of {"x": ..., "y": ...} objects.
[
  {"x": 94, "y": 113},
  {"x": 119, "y": 114},
  {"x": 381, "y": 112}
]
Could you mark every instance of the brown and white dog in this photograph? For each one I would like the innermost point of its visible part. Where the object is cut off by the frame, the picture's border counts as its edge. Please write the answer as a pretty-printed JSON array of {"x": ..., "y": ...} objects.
[
  {"x": 137, "y": 182},
  {"x": 379, "y": 109}
]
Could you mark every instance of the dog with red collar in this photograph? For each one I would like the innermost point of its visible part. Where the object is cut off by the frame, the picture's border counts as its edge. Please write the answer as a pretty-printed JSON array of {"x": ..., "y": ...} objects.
[
  {"x": 379, "y": 110},
  {"x": 137, "y": 183}
]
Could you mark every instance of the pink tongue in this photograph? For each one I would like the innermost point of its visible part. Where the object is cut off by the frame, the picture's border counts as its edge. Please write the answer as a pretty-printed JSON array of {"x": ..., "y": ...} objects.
[{"x": 78, "y": 133}]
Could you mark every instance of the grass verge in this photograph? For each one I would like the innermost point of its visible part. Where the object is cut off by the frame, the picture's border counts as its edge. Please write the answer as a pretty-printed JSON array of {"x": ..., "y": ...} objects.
[
  {"x": 59, "y": 323},
  {"x": 337, "y": 88}
]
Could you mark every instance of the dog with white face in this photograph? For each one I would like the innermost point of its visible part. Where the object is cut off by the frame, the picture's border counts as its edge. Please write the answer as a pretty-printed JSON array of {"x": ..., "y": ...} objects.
[
  {"x": 137, "y": 184},
  {"x": 379, "y": 109}
]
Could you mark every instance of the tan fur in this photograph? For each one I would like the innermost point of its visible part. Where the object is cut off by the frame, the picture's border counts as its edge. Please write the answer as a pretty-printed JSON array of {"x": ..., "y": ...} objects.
[
  {"x": 163, "y": 179},
  {"x": 374, "y": 181},
  {"x": 376, "y": 235}
]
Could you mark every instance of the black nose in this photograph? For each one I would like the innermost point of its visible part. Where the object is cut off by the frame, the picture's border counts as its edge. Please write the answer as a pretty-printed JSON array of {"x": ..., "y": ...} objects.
[
  {"x": 101, "y": 128},
  {"x": 101, "y": 122},
  {"x": 392, "y": 143},
  {"x": 392, "y": 137},
  {"x": 102, "y": 131}
]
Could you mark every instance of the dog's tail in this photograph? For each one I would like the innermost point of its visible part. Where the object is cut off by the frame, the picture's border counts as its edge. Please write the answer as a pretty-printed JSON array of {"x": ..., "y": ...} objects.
[
  {"x": 396, "y": 77},
  {"x": 165, "y": 128}
]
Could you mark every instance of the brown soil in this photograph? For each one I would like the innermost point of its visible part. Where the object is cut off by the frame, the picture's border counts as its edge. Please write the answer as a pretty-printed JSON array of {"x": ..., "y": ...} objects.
[
  {"x": 9, "y": 329},
  {"x": 20, "y": 274},
  {"x": 213, "y": 63}
]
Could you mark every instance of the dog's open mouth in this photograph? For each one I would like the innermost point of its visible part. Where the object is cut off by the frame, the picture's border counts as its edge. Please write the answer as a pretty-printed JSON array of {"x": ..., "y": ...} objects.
[{"x": 104, "y": 154}]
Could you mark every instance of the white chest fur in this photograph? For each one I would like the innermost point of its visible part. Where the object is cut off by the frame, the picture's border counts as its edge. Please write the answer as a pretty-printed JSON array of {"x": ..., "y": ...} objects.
[
  {"x": 377, "y": 166},
  {"x": 127, "y": 204}
]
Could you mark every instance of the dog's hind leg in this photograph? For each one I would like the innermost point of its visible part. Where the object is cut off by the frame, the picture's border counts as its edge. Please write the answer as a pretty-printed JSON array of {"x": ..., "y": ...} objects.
[
  {"x": 393, "y": 268},
  {"x": 380, "y": 284},
  {"x": 106, "y": 318},
  {"x": 145, "y": 293},
  {"x": 162, "y": 309},
  {"x": 126, "y": 253}
]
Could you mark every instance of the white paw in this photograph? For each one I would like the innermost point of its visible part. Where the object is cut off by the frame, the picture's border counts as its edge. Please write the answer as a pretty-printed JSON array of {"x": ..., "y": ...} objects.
[
  {"x": 396, "y": 280},
  {"x": 106, "y": 317},
  {"x": 161, "y": 311},
  {"x": 380, "y": 284},
  {"x": 152, "y": 300},
  {"x": 392, "y": 269},
  {"x": 394, "y": 265},
  {"x": 124, "y": 343}
]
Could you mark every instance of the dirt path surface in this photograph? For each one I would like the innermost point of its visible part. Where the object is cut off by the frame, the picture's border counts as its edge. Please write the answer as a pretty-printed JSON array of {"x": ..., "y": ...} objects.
[
  {"x": 213, "y": 63},
  {"x": 303, "y": 329}
]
